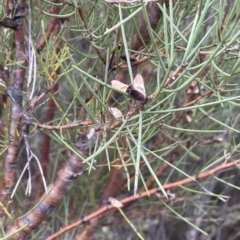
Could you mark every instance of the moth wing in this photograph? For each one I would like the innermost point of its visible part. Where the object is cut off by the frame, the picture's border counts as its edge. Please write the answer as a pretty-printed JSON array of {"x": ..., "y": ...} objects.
[
  {"x": 119, "y": 85},
  {"x": 138, "y": 84},
  {"x": 116, "y": 112},
  {"x": 115, "y": 203},
  {"x": 91, "y": 133}
]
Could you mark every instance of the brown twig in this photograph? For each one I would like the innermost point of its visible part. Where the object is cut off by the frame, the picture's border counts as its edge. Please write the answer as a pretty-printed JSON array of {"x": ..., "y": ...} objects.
[
  {"x": 175, "y": 74},
  {"x": 81, "y": 15},
  {"x": 50, "y": 29},
  {"x": 15, "y": 90},
  {"x": 111, "y": 190},
  {"x": 172, "y": 77},
  {"x": 198, "y": 99},
  {"x": 36, "y": 99},
  {"x": 107, "y": 127},
  {"x": 66, "y": 178},
  {"x": 51, "y": 104},
  {"x": 62, "y": 127},
  {"x": 148, "y": 193},
  {"x": 172, "y": 158}
]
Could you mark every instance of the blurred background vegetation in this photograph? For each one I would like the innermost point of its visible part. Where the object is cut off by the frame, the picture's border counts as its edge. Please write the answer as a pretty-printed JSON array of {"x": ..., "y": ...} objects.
[{"x": 190, "y": 125}]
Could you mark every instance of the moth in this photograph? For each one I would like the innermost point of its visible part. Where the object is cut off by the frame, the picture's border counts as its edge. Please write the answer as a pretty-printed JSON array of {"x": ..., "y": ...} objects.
[
  {"x": 135, "y": 90},
  {"x": 116, "y": 112},
  {"x": 91, "y": 133},
  {"x": 115, "y": 203}
]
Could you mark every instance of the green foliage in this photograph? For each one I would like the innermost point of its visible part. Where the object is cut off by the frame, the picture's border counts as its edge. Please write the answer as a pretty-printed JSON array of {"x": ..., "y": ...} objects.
[{"x": 190, "y": 139}]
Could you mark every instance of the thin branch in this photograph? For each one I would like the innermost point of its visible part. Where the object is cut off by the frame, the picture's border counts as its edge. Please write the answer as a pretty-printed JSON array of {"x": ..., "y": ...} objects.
[
  {"x": 198, "y": 99},
  {"x": 171, "y": 78},
  {"x": 50, "y": 28},
  {"x": 148, "y": 193},
  {"x": 56, "y": 192},
  {"x": 67, "y": 126},
  {"x": 15, "y": 90}
]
